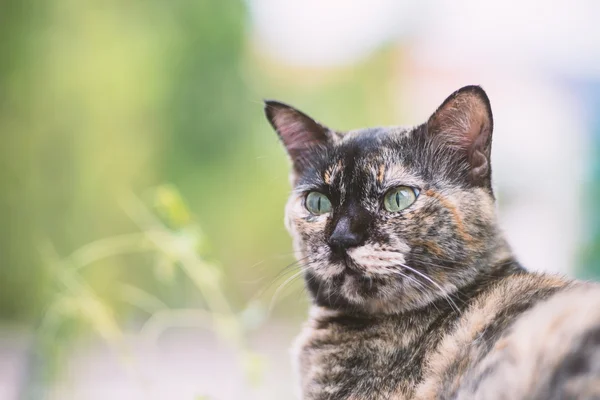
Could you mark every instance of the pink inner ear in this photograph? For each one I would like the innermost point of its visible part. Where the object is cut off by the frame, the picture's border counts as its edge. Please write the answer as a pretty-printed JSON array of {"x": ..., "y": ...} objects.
[
  {"x": 464, "y": 123},
  {"x": 296, "y": 136},
  {"x": 461, "y": 122},
  {"x": 298, "y": 132}
]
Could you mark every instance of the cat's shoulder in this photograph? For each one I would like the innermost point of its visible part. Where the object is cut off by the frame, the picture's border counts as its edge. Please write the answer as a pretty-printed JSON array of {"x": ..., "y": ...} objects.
[
  {"x": 518, "y": 320},
  {"x": 552, "y": 351}
]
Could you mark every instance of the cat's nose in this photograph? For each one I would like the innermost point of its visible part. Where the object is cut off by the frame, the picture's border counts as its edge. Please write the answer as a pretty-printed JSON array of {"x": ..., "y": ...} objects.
[{"x": 344, "y": 237}]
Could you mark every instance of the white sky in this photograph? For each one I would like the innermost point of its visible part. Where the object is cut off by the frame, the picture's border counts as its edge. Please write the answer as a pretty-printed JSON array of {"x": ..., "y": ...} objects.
[{"x": 561, "y": 35}]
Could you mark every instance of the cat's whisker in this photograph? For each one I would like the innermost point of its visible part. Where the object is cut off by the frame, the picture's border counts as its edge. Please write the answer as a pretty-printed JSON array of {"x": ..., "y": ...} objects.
[
  {"x": 329, "y": 289},
  {"x": 444, "y": 293},
  {"x": 280, "y": 289},
  {"x": 452, "y": 263},
  {"x": 298, "y": 263},
  {"x": 256, "y": 264},
  {"x": 411, "y": 279},
  {"x": 421, "y": 286},
  {"x": 419, "y": 258},
  {"x": 287, "y": 269},
  {"x": 428, "y": 263}
]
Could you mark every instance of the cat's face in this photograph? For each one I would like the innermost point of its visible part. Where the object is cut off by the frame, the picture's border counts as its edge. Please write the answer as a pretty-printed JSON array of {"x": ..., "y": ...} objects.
[{"x": 389, "y": 219}]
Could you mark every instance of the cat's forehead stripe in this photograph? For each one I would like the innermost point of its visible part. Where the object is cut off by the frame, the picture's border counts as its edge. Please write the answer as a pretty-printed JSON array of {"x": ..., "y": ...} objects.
[
  {"x": 381, "y": 173},
  {"x": 332, "y": 171},
  {"x": 327, "y": 176}
]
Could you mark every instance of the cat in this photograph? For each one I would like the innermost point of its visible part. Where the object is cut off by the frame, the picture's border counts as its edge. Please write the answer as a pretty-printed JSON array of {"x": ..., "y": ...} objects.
[{"x": 415, "y": 291}]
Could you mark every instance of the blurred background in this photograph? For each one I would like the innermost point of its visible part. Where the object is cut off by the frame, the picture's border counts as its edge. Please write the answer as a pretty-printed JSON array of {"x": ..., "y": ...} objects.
[{"x": 142, "y": 247}]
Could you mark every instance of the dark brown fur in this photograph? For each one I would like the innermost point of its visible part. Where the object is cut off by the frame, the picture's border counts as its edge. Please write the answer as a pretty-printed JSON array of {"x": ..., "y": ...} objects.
[{"x": 427, "y": 302}]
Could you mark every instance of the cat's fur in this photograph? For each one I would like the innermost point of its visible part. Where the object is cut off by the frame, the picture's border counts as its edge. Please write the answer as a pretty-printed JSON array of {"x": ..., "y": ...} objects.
[{"x": 428, "y": 302}]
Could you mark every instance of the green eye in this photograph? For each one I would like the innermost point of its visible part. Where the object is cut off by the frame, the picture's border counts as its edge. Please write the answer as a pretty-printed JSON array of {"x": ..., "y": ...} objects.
[
  {"x": 317, "y": 203},
  {"x": 399, "y": 198}
]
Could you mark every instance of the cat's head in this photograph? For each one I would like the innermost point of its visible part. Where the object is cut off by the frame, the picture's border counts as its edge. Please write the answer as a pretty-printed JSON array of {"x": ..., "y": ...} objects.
[{"x": 388, "y": 219}]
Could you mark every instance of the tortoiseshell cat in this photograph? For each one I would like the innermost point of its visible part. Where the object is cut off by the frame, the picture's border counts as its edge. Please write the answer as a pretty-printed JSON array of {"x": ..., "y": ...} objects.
[{"x": 416, "y": 294}]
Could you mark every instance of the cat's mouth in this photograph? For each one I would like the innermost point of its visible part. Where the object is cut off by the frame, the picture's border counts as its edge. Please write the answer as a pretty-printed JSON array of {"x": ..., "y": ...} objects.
[
  {"x": 351, "y": 267},
  {"x": 340, "y": 263}
]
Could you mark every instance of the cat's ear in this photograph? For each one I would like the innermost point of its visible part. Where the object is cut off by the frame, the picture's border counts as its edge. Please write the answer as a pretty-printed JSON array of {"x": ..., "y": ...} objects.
[
  {"x": 464, "y": 123},
  {"x": 299, "y": 133}
]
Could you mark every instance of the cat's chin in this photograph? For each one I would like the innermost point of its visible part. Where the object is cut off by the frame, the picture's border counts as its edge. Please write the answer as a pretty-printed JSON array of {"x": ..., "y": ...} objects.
[
  {"x": 339, "y": 285},
  {"x": 358, "y": 288},
  {"x": 355, "y": 286},
  {"x": 382, "y": 297}
]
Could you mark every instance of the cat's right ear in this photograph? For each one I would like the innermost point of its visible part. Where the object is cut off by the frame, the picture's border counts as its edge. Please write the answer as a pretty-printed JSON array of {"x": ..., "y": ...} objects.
[
  {"x": 464, "y": 124},
  {"x": 299, "y": 133}
]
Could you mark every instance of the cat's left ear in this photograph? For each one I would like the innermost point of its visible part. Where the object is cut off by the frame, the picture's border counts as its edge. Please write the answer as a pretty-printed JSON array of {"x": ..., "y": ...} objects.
[
  {"x": 464, "y": 123},
  {"x": 299, "y": 133}
]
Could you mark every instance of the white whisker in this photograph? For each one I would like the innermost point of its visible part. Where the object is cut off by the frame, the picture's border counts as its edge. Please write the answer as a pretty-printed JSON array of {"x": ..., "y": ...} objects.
[
  {"x": 421, "y": 285},
  {"x": 444, "y": 293},
  {"x": 280, "y": 288}
]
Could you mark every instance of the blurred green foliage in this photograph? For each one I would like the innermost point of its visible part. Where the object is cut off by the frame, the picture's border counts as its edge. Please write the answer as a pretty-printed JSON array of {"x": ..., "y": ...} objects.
[
  {"x": 75, "y": 306},
  {"x": 101, "y": 98}
]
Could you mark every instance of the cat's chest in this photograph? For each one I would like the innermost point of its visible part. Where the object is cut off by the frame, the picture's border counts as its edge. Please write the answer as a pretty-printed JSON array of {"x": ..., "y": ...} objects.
[{"x": 349, "y": 360}]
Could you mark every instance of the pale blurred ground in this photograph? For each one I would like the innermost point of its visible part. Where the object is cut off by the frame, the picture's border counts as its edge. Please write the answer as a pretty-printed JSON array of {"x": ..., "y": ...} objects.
[
  {"x": 182, "y": 364},
  {"x": 106, "y": 101}
]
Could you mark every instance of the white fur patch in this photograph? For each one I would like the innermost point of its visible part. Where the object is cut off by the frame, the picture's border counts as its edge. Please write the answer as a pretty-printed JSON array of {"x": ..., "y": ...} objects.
[{"x": 373, "y": 258}]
